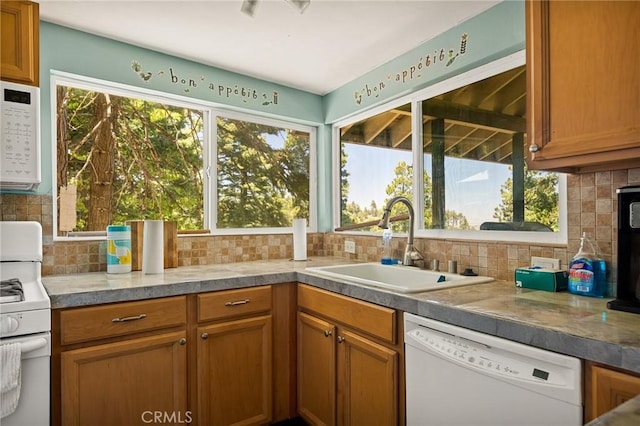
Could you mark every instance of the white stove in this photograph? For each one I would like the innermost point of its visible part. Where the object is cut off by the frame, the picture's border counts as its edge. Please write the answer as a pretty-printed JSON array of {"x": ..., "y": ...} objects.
[{"x": 25, "y": 326}]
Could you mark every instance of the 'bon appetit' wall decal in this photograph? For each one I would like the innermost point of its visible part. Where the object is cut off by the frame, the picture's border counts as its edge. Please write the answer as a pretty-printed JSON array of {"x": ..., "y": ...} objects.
[
  {"x": 238, "y": 91},
  {"x": 439, "y": 57}
]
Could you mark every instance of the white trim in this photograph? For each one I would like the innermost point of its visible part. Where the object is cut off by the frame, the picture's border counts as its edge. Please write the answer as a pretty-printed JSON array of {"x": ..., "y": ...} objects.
[
  {"x": 367, "y": 113},
  {"x": 210, "y": 111},
  {"x": 417, "y": 131},
  {"x": 336, "y": 175},
  {"x": 485, "y": 71},
  {"x": 53, "y": 100},
  {"x": 252, "y": 231},
  {"x": 209, "y": 169},
  {"x": 267, "y": 121}
]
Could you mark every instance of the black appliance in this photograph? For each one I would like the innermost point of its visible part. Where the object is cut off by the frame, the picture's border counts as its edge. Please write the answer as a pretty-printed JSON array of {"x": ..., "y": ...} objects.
[{"x": 628, "y": 286}]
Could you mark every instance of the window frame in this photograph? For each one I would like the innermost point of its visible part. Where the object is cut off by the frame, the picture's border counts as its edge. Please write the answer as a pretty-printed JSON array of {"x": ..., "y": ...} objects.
[
  {"x": 237, "y": 115},
  {"x": 210, "y": 111},
  {"x": 479, "y": 73}
]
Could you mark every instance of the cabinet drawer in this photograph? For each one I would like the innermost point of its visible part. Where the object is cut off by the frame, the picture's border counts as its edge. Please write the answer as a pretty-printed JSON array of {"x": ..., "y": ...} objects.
[
  {"x": 231, "y": 303},
  {"x": 373, "y": 319},
  {"x": 97, "y": 322}
]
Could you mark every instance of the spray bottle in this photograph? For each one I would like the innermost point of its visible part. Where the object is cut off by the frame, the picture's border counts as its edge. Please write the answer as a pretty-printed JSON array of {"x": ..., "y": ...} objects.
[
  {"x": 386, "y": 247},
  {"x": 587, "y": 270}
]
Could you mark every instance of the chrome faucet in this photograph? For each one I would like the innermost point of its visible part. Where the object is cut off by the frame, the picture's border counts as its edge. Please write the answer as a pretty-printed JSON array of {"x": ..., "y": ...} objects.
[{"x": 411, "y": 254}]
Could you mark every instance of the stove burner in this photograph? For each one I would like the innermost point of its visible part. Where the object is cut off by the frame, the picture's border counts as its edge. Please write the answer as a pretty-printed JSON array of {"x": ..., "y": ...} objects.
[{"x": 11, "y": 291}]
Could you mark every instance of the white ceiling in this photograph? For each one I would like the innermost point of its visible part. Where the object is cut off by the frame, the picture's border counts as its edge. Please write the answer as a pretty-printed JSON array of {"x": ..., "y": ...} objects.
[{"x": 330, "y": 44}]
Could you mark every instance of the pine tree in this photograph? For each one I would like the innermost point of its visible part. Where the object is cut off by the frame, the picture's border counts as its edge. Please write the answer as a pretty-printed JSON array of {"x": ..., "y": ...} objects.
[{"x": 540, "y": 199}]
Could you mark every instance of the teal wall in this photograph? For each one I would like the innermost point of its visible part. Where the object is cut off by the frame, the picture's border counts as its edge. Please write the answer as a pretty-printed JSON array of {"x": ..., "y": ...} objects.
[
  {"x": 490, "y": 35},
  {"x": 71, "y": 51}
]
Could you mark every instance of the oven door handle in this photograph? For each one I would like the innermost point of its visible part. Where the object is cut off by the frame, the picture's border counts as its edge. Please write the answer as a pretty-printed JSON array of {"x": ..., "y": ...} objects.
[{"x": 32, "y": 345}]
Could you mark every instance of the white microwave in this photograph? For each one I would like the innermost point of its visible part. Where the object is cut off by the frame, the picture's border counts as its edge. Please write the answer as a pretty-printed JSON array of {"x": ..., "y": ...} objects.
[{"x": 20, "y": 137}]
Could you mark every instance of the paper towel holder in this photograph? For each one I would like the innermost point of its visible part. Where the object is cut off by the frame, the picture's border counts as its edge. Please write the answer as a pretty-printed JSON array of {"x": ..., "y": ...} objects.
[
  {"x": 300, "y": 239},
  {"x": 153, "y": 247}
]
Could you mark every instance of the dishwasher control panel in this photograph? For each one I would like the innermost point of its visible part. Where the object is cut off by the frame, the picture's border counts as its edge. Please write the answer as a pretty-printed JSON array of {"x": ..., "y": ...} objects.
[{"x": 483, "y": 357}]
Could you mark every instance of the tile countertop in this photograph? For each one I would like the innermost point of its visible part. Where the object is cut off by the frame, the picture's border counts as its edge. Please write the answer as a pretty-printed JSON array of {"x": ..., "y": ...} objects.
[
  {"x": 561, "y": 322},
  {"x": 626, "y": 414}
]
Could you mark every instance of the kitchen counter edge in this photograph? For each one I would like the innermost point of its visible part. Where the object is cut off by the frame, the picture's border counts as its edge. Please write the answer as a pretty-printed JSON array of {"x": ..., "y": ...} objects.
[{"x": 460, "y": 306}]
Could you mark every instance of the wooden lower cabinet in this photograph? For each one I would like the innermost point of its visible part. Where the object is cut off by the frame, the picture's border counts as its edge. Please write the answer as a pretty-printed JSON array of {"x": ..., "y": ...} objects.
[
  {"x": 229, "y": 358},
  {"x": 317, "y": 354},
  {"x": 344, "y": 378},
  {"x": 121, "y": 363},
  {"x": 126, "y": 383},
  {"x": 234, "y": 372},
  {"x": 606, "y": 388},
  {"x": 345, "y": 375},
  {"x": 205, "y": 359},
  {"x": 367, "y": 381}
]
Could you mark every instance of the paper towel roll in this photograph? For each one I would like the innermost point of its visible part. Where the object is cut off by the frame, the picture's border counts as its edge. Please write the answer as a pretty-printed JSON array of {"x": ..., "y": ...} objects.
[
  {"x": 153, "y": 247},
  {"x": 299, "y": 239}
]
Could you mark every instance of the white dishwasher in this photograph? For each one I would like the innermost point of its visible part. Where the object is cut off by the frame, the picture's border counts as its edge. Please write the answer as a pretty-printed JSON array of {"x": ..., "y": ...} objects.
[{"x": 459, "y": 377}]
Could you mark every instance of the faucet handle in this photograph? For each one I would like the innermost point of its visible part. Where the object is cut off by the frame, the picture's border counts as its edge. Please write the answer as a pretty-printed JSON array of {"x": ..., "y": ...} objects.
[
  {"x": 415, "y": 254},
  {"x": 412, "y": 255}
]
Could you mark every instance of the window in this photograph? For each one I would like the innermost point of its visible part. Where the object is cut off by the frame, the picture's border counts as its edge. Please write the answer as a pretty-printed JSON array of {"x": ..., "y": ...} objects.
[
  {"x": 262, "y": 174},
  {"x": 464, "y": 168},
  {"x": 124, "y": 154},
  {"x": 473, "y": 145},
  {"x": 376, "y": 165}
]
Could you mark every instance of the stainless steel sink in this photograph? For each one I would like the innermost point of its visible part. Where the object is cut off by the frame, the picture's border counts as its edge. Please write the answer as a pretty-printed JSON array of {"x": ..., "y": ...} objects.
[{"x": 404, "y": 279}]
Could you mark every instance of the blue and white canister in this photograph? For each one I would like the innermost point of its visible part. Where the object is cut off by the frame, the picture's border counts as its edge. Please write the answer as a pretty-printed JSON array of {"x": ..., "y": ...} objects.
[{"x": 118, "y": 249}]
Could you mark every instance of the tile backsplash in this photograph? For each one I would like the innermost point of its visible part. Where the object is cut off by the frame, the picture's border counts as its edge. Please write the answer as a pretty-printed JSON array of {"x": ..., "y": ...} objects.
[{"x": 592, "y": 208}]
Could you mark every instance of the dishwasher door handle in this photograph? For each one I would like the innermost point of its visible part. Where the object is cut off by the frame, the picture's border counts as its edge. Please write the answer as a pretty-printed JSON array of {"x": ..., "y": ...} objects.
[{"x": 32, "y": 345}]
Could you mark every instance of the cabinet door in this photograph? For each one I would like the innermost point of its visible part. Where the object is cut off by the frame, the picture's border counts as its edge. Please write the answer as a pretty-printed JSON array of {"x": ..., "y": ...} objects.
[
  {"x": 20, "y": 48},
  {"x": 316, "y": 370},
  {"x": 126, "y": 383},
  {"x": 609, "y": 389},
  {"x": 234, "y": 366},
  {"x": 367, "y": 382},
  {"x": 583, "y": 84}
]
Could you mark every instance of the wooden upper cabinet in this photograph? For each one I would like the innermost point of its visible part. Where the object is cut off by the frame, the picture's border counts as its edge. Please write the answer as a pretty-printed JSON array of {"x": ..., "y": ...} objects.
[
  {"x": 583, "y": 85},
  {"x": 20, "y": 48}
]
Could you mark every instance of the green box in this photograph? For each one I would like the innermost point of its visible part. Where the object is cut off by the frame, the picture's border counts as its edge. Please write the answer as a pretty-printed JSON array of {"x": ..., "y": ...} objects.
[{"x": 541, "y": 279}]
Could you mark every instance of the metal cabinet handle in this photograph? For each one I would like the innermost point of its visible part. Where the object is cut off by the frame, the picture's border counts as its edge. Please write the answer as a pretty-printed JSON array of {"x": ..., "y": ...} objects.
[
  {"x": 204, "y": 336},
  {"x": 133, "y": 318},
  {"x": 341, "y": 339},
  {"x": 237, "y": 302},
  {"x": 182, "y": 341},
  {"x": 327, "y": 333}
]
